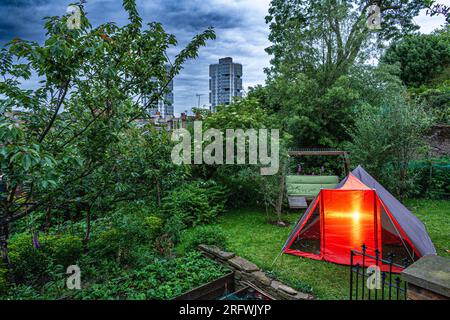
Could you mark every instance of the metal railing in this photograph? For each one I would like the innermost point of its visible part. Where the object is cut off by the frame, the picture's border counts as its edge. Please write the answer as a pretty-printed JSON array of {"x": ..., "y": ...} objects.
[{"x": 390, "y": 286}]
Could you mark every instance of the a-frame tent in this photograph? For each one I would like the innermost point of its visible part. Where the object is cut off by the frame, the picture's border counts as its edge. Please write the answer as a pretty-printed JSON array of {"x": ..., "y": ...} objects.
[{"x": 358, "y": 211}]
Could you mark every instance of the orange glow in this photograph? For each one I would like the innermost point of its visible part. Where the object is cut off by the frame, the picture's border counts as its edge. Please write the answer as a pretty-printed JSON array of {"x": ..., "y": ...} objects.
[{"x": 348, "y": 220}]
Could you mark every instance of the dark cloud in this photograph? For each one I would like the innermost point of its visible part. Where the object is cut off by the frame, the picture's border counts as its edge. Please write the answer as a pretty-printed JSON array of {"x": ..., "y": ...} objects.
[
  {"x": 241, "y": 33},
  {"x": 239, "y": 24}
]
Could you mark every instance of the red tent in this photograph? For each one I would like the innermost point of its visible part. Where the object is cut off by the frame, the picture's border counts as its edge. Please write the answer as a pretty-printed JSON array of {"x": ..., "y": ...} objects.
[{"x": 359, "y": 211}]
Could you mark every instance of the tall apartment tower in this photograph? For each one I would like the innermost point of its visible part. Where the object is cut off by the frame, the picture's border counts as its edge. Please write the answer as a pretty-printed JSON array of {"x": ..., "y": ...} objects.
[
  {"x": 165, "y": 103},
  {"x": 225, "y": 82}
]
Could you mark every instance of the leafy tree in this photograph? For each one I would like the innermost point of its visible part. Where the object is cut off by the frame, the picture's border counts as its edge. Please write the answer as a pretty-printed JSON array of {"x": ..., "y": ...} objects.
[
  {"x": 421, "y": 57},
  {"x": 57, "y": 139},
  {"x": 324, "y": 38},
  {"x": 315, "y": 46},
  {"x": 244, "y": 180},
  {"x": 387, "y": 138}
]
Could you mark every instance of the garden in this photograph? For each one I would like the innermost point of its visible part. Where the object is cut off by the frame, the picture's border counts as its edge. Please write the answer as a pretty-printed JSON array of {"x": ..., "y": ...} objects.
[{"x": 82, "y": 184}]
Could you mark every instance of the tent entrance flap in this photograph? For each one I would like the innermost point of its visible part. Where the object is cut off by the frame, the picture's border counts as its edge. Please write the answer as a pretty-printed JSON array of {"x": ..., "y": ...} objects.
[
  {"x": 349, "y": 222},
  {"x": 308, "y": 239}
]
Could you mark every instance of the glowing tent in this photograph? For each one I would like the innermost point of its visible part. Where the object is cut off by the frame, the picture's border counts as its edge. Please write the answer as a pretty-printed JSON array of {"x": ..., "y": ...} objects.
[{"x": 358, "y": 211}]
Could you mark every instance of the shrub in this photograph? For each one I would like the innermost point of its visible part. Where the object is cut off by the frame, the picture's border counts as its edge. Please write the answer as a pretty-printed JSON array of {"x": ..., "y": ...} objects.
[
  {"x": 3, "y": 280},
  {"x": 141, "y": 256},
  {"x": 385, "y": 140},
  {"x": 195, "y": 203},
  {"x": 154, "y": 225},
  {"x": 108, "y": 243},
  {"x": 432, "y": 178},
  {"x": 30, "y": 264},
  {"x": 210, "y": 235},
  {"x": 64, "y": 250}
]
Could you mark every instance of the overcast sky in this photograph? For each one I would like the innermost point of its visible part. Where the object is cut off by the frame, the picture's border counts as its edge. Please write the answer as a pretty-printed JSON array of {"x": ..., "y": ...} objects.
[{"x": 239, "y": 24}]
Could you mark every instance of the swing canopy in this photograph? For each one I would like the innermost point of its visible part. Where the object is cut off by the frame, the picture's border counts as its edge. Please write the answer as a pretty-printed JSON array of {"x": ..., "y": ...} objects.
[{"x": 358, "y": 211}]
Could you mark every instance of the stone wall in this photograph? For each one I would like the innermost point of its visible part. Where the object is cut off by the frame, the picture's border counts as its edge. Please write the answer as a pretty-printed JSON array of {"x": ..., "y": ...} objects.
[
  {"x": 247, "y": 272},
  {"x": 439, "y": 141}
]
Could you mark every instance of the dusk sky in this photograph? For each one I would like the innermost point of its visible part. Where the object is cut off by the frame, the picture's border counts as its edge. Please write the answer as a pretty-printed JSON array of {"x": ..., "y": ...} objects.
[{"x": 240, "y": 27}]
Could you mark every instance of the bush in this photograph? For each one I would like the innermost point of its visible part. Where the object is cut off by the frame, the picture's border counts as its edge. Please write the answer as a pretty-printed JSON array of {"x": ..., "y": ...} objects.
[
  {"x": 108, "y": 243},
  {"x": 209, "y": 235},
  {"x": 432, "y": 178},
  {"x": 3, "y": 280},
  {"x": 154, "y": 225},
  {"x": 128, "y": 231},
  {"x": 385, "y": 140},
  {"x": 29, "y": 264},
  {"x": 64, "y": 250},
  {"x": 173, "y": 228},
  {"x": 128, "y": 226},
  {"x": 196, "y": 203}
]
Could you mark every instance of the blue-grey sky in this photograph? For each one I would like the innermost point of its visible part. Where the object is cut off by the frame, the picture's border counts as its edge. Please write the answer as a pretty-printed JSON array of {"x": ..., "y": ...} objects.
[{"x": 240, "y": 27}]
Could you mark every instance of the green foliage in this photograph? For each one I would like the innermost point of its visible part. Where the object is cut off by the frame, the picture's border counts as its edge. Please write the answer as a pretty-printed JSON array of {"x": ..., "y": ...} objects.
[
  {"x": 128, "y": 226},
  {"x": 64, "y": 250},
  {"x": 193, "y": 204},
  {"x": 154, "y": 225},
  {"x": 421, "y": 57},
  {"x": 31, "y": 265},
  {"x": 3, "y": 280},
  {"x": 160, "y": 279},
  {"x": 241, "y": 114},
  {"x": 431, "y": 178},
  {"x": 311, "y": 38},
  {"x": 74, "y": 145},
  {"x": 108, "y": 243},
  {"x": 436, "y": 98},
  {"x": 386, "y": 139},
  {"x": 209, "y": 235}
]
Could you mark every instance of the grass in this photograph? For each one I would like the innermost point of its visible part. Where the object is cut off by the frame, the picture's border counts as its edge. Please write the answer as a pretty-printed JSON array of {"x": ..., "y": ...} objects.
[{"x": 251, "y": 236}]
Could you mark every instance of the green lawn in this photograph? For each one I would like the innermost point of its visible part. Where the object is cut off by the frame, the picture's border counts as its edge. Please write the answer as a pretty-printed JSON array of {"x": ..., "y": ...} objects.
[{"x": 250, "y": 236}]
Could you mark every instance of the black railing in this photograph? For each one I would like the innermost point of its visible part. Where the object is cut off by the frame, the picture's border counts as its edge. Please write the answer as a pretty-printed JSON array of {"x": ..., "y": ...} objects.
[{"x": 389, "y": 286}]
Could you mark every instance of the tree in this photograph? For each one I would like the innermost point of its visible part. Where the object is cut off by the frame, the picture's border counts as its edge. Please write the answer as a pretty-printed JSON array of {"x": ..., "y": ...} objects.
[
  {"x": 316, "y": 46},
  {"x": 421, "y": 58},
  {"x": 245, "y": 180},
  {"x": 387, "y": 138},
  {"x": 324, "y": 38},
  {"x": 56, "y": 139}
]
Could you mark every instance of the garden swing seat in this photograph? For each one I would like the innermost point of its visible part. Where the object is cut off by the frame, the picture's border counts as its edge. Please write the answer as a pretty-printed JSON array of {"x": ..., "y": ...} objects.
[{"x": 303, "y": 188}]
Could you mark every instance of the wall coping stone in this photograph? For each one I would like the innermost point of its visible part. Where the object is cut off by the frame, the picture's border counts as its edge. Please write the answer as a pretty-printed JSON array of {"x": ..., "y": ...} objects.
[
  {"x": 243, "y": 264},
  {"x": 248, "y": 272},
  {"x": 430, "y": 272}
]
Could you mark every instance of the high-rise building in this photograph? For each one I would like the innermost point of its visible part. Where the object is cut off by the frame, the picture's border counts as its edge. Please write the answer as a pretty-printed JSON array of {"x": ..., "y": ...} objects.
[
  {"x": 164, "y": 107},
  {"x": 225, "y": 82}
]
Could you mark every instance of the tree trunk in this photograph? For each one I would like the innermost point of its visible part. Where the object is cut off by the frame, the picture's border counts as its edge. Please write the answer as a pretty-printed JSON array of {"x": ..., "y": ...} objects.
[
  {"x": 87, "y": 235},
  {"x": 158, "y": 192},
  {"x": 4, "y": 236},
  {"x": 281, "y": 188}
]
